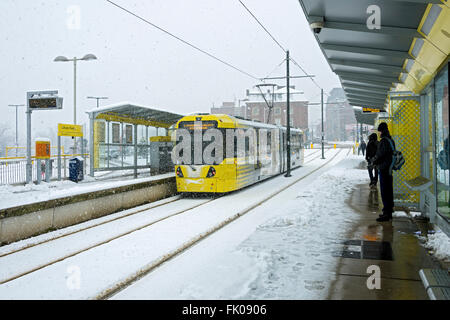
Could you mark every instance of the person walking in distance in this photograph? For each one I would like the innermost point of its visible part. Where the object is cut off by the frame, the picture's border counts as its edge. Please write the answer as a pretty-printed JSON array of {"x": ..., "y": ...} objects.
[
  {"x": 363, "y": 146},
  {"x": 383, "y": 160},
  {"x": 371, "y": 151}
]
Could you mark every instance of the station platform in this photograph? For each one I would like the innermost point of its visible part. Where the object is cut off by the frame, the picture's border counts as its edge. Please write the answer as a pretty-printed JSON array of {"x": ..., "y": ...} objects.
[
  {"x": 30, "y": 210},
  {"x": 392, "y": 246}
]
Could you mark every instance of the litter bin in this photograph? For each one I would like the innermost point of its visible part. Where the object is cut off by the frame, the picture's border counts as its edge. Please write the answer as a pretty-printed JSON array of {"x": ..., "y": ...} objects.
[{"x": 76, "y": 169}]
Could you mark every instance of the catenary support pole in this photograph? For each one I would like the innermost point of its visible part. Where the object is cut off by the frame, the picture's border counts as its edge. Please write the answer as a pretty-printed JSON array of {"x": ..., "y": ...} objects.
[
  {"x": 91, "y": 144},
  {"x": 135, "y": 150},
  {"x": 321, "y": 104},
  {"x": 29, "y": 173},
  {"x": 288, "y": 117},
  {"x": 59, "y": 157}
]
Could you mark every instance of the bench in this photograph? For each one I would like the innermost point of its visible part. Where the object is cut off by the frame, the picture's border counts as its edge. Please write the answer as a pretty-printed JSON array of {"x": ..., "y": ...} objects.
[
  {"x": 422, "y": 185},
  {"x": 437, "y": 283}
]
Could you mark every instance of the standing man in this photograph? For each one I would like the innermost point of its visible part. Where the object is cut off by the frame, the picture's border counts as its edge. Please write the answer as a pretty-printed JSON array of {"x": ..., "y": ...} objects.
[{"x": 383, "y": 160}]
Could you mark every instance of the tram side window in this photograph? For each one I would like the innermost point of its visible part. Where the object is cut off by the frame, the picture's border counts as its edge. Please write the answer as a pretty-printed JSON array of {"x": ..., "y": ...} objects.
[{"x": 247, "y": 146}]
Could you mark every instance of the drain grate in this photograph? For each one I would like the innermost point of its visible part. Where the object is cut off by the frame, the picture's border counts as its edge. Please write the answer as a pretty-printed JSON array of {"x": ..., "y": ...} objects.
[{"x": 362, "y": 249}]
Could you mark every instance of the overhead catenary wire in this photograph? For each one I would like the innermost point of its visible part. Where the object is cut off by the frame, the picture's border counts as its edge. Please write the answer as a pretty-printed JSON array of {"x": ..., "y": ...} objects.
[
  {"x": 278, "y": 65},
  {"x": 303, "y": 70},
  {"x": 262, "y": 26},
  {"x": 183, "y": 41},
  {"x": 278, "y": 43}
]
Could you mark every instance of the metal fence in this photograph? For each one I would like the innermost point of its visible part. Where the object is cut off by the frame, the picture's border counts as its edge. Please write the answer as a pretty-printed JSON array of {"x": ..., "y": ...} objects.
[{"x": 13, "y": 171}]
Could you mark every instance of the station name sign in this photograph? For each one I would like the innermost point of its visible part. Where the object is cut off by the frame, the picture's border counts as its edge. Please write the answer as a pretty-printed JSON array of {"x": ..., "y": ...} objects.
[
  {"x": 70, "y": 130},
  {"x": 371, "y": 110}
]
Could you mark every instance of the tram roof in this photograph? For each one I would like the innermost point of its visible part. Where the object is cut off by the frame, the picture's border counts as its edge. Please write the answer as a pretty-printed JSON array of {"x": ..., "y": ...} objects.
[
  {"x": 372, "y": 62},
  {"x": 136, "y": 114}
]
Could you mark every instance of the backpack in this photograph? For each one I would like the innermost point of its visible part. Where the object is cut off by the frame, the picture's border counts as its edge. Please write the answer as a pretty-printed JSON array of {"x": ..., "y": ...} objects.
[
  {"x": 442, "y": 159},
  {"x": 397, "y": 158}
]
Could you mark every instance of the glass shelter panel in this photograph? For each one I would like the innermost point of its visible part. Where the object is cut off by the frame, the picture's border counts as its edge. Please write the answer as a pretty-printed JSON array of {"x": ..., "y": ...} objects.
[{"x": 442, "y": 143}]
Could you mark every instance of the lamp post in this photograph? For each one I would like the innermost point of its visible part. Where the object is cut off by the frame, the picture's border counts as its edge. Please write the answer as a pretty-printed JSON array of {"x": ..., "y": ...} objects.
[
  {"x": 98, "y": 98},
  {"x": 87, "y": 57},
  {"x": 16, "y": 105}
]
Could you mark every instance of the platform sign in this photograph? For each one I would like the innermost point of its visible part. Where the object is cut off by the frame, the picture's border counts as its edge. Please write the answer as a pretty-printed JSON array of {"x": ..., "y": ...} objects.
[
  {"x": 45, "y": 103},
  {"x": 70, "y": 130},
  {"x": 42, "y": 149}
]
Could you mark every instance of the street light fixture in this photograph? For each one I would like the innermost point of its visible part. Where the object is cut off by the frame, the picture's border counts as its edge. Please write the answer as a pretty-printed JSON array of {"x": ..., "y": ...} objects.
[
  {"x": 98, "y": 98},
  {"x": 86, "y": 57}
]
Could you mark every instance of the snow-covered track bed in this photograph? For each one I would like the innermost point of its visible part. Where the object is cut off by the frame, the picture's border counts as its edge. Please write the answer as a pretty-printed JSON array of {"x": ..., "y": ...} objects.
[
  {"x": 25, "y": 260},
  {"x": 51, "y": 236},
  {"x": 108, "y": 264}
]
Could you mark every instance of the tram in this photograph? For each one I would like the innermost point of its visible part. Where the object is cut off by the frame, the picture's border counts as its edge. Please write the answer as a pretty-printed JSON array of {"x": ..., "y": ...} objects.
[{"x": 217, "y": 153}]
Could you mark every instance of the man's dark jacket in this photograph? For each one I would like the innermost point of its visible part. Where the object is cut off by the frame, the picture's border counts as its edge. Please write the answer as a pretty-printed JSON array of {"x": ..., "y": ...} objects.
[
  {"x": 383, "y": 157},
  {"x": 371, "y": 150}
]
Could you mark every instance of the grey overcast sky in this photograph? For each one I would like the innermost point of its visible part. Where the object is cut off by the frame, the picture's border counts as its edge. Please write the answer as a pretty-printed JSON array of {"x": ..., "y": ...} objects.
[{"x": 139, "y": 63}]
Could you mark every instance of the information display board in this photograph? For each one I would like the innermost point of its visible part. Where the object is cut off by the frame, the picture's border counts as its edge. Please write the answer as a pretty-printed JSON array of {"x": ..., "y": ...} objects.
[
  {"x": 45, "y": 103},
  {"x": 370, "y": 110}
]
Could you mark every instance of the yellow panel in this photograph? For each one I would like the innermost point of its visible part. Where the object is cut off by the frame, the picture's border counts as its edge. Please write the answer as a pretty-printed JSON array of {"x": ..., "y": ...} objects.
[
  {"x": 404, "y": 127},
  {"x": 119, "y": 118},
  {"x": 160, "y": 139},
  {"x": 223, "y": 121},
  {"x": 99, "y": 136},
  {"x": 70, "y": 130},
  {"x": 412, "y": 84},
  {"x": 440, "y": 32},
  {"x": 434, "y": 52}
]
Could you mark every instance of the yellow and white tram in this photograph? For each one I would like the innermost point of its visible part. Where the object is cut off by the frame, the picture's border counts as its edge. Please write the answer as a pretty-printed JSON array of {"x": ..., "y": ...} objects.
[{"x": 261, "y": 156}]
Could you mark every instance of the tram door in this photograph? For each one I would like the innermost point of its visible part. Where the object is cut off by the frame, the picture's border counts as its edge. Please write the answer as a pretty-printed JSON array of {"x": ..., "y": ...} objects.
[
  {"x": 283, "y": 151},
  {"x": 276, "y": 151}
]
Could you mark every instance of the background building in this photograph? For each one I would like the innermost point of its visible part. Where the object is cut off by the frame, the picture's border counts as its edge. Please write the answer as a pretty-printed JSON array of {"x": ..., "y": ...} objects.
[
  {"x": 254, "y": 106},
  {"x": 341, "y": 121}
]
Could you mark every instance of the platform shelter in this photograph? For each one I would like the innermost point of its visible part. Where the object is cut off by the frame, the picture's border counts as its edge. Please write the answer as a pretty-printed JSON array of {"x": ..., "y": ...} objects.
[
  {"x": 393, "y": 55},
  {"x": 119, "y": 135}
]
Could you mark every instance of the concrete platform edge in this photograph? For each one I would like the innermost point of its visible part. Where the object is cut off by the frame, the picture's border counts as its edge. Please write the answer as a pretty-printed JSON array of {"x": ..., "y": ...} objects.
[{"x": 19, "y": 223}]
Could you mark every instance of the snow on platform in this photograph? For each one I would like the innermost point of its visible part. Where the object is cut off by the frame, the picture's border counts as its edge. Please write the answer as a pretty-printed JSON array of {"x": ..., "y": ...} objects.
[{"x": 281, "y": 250}]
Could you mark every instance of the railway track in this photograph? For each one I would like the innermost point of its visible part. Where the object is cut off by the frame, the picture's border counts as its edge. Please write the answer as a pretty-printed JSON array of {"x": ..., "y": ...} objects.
[
  {"x": 105, "y": 220},
  {"x": 119, "y": 286},
  {"x": 116, "y": 288}
]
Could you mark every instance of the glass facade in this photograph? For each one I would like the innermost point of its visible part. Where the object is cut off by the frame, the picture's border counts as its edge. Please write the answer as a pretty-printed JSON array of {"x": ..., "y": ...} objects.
[{"x": 442, "y": 149}]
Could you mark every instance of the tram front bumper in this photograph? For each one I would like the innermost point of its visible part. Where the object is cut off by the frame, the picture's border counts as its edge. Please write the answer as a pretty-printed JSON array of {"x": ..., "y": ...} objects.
[{"x": 196, "y": 185}]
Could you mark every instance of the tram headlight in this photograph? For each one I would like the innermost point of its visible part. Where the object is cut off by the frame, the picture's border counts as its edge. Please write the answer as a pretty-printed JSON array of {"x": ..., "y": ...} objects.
[
  {"x": 179, "y": 173},
  {"x": 211, "y": 172}
]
